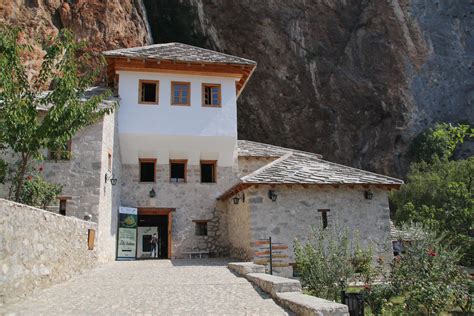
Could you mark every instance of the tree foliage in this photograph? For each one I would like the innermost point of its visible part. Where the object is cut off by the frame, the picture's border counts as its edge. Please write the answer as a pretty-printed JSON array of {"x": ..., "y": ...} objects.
[
  {"x": 63, "y": 71},
  {"x": 439, "y": 193},
  {"x": 439, "y": 142}
]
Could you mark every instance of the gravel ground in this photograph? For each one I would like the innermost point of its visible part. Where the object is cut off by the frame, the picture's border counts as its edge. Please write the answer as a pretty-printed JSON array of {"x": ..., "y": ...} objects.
[{"x": 153, "y": 287}]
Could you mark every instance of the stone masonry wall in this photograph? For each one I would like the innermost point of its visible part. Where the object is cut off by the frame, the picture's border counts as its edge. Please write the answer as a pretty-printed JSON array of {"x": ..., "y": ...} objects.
[
  {"x": 238, "y": 222},
  {"x": 295, "y": 213},
  {"x": 193, "y": 200},
  {"x": 40, "y": 248},
  {"x": 80, "y": 176},
  {"x": 248, "y": 165},
  {"x": 109, "y": 198},
  {"x": 83, "y": 180}
]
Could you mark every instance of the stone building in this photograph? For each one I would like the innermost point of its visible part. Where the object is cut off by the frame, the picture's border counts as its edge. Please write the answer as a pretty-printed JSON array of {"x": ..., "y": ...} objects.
[{"x": 168, "y": 161}]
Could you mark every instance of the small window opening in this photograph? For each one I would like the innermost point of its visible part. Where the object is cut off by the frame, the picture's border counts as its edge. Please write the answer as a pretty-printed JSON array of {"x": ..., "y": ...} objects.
[
  {"x": 324, "y": 217},
  {"x": 62, "y": 206},
  {"x": 201, "y": 228},
  {"x": 178, "y": 171},
  {"x": 211, "y": 95},
  {"x": 147, "y": 170},
  {"x": 180, "y": 93},
  {"x": 109, "y": 161},
  {"x": 208, "y": 171},
  {"x": 148, "y": 91}
]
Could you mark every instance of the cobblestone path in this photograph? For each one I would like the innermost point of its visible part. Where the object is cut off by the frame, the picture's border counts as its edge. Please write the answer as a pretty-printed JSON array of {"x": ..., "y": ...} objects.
[{"x": 164, "y": 287}]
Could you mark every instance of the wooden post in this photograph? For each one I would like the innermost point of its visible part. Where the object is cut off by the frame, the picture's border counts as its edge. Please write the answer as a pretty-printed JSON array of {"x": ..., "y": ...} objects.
[{"x": 271, "y": 259}]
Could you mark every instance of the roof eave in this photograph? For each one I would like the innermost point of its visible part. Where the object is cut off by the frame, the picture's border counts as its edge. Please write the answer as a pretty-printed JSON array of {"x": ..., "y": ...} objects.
[{"x": 239, "y": 187}]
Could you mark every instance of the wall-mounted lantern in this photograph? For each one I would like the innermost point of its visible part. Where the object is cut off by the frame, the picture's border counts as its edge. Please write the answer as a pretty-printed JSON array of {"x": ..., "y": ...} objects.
[
  {"x": 238, "y": 198},
  {"x": 368, "y": 195},
  {"x": 112, "y": 179},
  {"x": 152, "y": 193},
  {"x": 272, "y": 195}
]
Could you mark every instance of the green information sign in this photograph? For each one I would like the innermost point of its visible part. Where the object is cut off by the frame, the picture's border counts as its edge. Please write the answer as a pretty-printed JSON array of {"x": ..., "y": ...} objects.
[{"x": 127, "y": 233}]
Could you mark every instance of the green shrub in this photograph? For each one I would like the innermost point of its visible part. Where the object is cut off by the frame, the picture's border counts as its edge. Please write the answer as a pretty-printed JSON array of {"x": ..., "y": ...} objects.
[
  {"x": 39, "y": 192},
  {"x": 325, "y": 262},
  {"x": 439, "y": 195},
  {"x": 362, "y": 263},
  {"x": 377, "y": 297},
  {"x": 428, "y": 276}
]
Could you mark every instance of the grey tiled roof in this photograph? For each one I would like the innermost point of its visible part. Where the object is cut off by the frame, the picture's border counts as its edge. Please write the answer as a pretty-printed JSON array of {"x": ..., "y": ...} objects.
[
  {"x": 88, "y": 93},
  {"x": 247, "y": 148},
  {"x": 178, "y": 52},
  {"x": 296, "y": 167}
]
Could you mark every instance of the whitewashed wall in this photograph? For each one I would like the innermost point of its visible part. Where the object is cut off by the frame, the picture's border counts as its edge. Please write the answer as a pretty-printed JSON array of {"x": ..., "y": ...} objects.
[{"x": 167, "y": 131}]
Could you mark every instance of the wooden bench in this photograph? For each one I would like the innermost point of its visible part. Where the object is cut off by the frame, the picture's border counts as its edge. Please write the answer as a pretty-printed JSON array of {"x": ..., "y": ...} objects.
[{"x": 200, "y": 253}]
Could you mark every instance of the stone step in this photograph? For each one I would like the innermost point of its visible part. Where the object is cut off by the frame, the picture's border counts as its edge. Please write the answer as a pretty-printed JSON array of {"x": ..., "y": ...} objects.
[
  {"x": 307, "y": 305},
  {"x": 274, "y": 284},
  {"x": 244, "y": 268}
]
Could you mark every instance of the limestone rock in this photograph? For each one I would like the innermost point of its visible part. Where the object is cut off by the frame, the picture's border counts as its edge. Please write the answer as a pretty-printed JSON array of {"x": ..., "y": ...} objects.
[
  {"x": 104, "y": 24},
  {"x": 353, "y": 80}
]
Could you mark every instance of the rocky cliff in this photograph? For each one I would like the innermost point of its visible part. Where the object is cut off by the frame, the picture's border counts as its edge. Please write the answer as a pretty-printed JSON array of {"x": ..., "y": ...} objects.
[
  {"x": 104, "y": 24},
  {"x": 353, "y": 80}
]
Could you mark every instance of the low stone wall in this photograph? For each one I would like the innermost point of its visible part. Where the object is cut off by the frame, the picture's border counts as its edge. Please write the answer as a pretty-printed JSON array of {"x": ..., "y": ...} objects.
[
  {"x": 288, "y": 292},
  {"x": 40, "y": 248}
]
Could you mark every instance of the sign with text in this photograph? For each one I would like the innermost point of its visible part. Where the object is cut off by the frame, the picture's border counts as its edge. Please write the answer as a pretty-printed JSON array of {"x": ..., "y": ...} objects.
[{"x": 127, "y": 233}]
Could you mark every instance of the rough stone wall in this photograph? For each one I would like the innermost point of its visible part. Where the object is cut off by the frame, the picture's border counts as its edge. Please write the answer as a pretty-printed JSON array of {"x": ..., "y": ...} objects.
[
  {"x": 40, "y": 248},
  {"x": 248, "y": 165},
  {"x": 295, "y": 213},
  {"x": 109, "y": 199},
  {"x": 83, "y": 180},
  {"x": 80, "y": 176},
  {"x": 193, "y": 200},
  {"x": 238, "y": 222}
]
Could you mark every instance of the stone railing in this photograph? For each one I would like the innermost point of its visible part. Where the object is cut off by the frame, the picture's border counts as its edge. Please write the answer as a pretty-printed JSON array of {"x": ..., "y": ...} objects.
[
  {"x": 40, "y": 248},
  {"x": 287, "y": 292}
]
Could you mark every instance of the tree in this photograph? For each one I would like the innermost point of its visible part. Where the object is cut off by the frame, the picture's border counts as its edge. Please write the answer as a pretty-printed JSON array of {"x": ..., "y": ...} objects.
[
  {"x": 438, "y": 142},
  {"x": 438, "y": 192},
  {"x": 63, "y": 70}
]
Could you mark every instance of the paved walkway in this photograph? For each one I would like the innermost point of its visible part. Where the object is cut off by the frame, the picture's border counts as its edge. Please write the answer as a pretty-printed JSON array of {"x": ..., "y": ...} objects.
[{"x": 164, "y": 287}]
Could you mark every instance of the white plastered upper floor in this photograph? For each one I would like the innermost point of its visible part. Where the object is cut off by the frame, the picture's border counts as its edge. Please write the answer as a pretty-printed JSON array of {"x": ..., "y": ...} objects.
[{"x": 166, "y": 131}]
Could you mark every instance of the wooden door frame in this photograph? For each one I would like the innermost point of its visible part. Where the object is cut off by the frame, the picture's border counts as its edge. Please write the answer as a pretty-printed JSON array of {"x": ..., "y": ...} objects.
[{"x": 160, "y": 211}]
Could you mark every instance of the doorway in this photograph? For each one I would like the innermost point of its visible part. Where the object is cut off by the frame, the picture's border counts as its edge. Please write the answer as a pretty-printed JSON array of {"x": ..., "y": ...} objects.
[{"x": 151, "y": 221}]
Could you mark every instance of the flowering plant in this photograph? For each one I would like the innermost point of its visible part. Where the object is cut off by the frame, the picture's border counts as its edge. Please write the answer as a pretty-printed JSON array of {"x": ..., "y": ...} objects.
[
  {"x": 428, "y": 276},
  {"x": 37, "y": 191}
]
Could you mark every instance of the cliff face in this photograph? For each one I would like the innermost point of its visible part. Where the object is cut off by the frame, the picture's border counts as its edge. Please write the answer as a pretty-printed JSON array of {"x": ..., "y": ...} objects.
[
  {"x": 104, "y": 24},
  {"x": 353, "y": 80}
]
